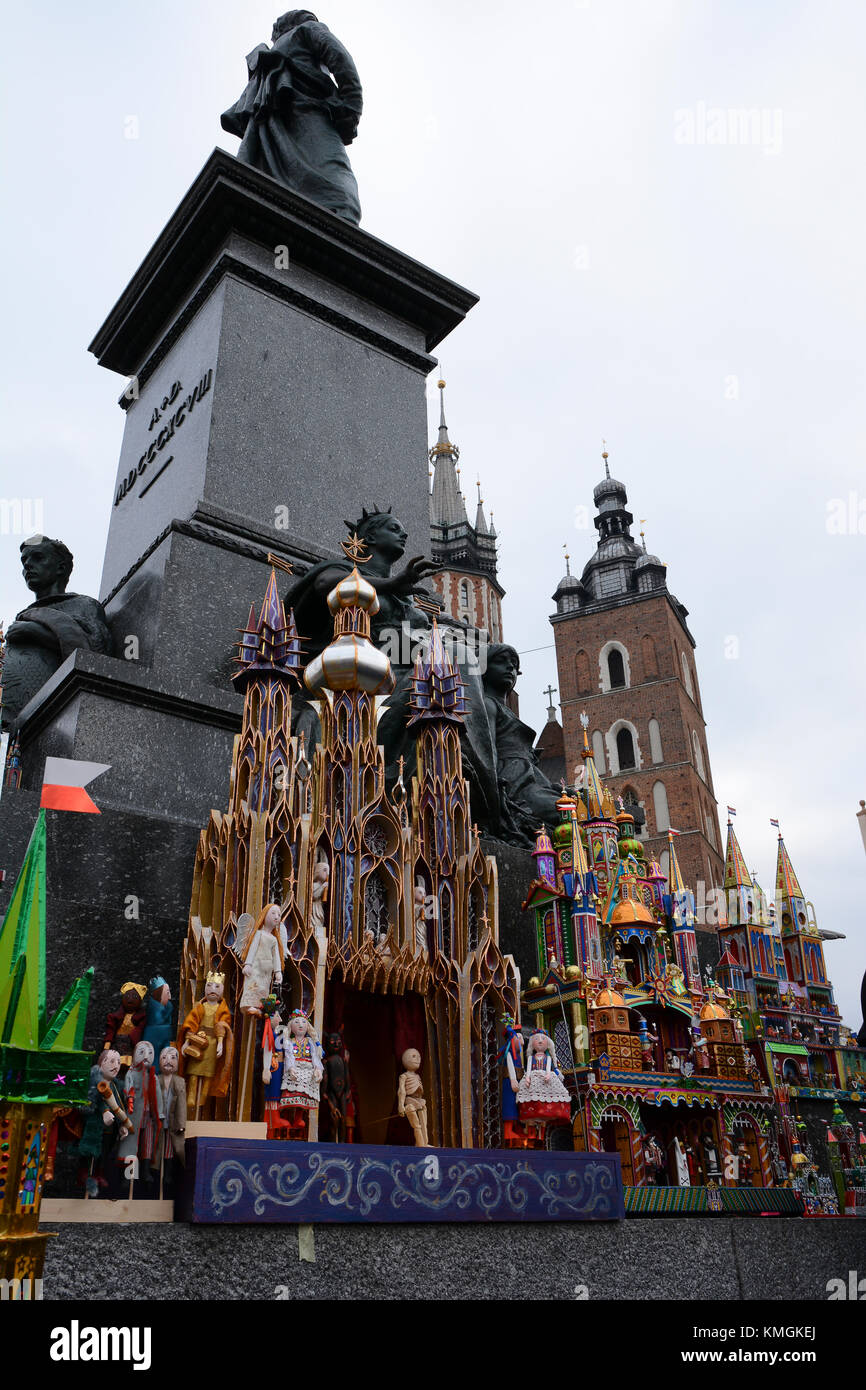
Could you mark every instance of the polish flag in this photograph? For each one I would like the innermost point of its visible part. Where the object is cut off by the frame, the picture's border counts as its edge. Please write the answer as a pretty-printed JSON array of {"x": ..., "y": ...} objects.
[{"x": 64, "y": 781}]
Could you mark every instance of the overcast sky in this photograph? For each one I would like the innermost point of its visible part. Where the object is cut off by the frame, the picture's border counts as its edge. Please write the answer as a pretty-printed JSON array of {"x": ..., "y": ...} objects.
[{"x": 699, "y": 304}]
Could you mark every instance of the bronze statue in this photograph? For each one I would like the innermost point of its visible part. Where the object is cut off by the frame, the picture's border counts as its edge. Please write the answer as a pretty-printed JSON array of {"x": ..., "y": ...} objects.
[
  {"x": 527, "y": 800},
  {"x": 401, "y": 628},
  {"x": 299, "y": 110},
  {"x": 44, "y": 633}
]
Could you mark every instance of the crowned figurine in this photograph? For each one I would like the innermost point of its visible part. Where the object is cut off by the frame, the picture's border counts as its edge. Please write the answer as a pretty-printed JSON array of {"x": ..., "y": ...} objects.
[{"x": 205, "y": 1040}]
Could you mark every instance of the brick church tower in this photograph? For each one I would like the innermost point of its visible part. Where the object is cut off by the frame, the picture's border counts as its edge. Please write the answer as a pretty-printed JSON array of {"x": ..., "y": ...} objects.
[
  {"x": 625, "y": 655},
  {"x": 467, "y": 584}
]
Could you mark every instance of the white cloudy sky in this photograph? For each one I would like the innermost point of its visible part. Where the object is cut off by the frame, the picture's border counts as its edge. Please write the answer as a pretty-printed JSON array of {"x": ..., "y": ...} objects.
[{"x": 701, "y": 306}]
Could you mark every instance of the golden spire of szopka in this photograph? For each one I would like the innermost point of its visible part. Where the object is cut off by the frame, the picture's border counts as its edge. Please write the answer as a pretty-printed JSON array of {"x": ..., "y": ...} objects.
[
  {"x": 596, "y": 798},
  {"x": 350, "y": 661},
  {"x": 269, "y": 644},
  {"x": 436, "y": 690}
]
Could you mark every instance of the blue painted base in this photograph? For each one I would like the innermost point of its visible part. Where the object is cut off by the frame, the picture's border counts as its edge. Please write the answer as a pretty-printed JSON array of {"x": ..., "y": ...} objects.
[{"x": 253, "y": 1180}]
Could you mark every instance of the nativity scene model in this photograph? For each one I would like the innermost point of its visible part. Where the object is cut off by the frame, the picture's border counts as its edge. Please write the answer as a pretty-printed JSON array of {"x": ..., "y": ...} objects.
[{"x": 385, "y": 957}]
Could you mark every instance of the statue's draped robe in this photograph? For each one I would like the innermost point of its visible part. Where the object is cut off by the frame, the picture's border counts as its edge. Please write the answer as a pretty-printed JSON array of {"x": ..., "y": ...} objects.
[
  {"x": 74, "y": 621},
  {"x": 527, "y": 798},
  {"x": 299, "y": 110}
]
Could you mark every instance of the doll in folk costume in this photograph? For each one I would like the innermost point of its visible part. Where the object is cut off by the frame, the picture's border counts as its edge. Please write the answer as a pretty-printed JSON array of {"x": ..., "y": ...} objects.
[
  {"x": 139, "y": 1088},
  {"x": 541, "y": 1096},
  {"x": 107, "y": 1121},
  {"x": 273, "y": 1064},
  {"x": 302, "y": 1073},
  {"x": 205, "y": 1041},
  {"x": 263, "y": 960},
  {"x": 511, "y": 1061}
]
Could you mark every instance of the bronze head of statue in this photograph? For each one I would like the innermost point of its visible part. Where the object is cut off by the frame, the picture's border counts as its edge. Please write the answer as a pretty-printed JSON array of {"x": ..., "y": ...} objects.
[{"x": 47, "y": 565}]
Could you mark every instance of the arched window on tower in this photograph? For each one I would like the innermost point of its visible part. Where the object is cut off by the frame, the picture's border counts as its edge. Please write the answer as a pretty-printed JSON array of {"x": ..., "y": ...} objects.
[
  {"x": 665, "y": 863},
  {"x": 660, "y": 806},
  {"x": 699, "y": 756},
  {"x": 616, "y": 670},
  {"x": 582, "y": 673},
  {"x": 598, "y": 751},
  {"x": 464, "y": 597},
  {"x": 650, "y": 660},
  {"x": 625, "y": 749},
  {"x": 687, "y": 674},
  {"x": 655, "y": 737}
]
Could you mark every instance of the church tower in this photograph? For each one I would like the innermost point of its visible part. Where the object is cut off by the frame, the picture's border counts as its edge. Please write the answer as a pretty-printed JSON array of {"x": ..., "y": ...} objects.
[
  {"x": 625, "y": 654},
  {"x": 467, "y": 584}
]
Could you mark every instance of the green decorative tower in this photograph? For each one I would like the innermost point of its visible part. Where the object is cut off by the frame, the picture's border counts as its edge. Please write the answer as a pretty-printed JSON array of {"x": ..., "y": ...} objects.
[{"x": 42, "y": 1068}]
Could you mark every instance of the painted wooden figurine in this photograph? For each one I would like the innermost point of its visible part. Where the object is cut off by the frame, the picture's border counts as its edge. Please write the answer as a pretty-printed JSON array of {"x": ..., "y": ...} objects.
[
  {"x": 206, "y": 1042},
  {"x": 302, "y": 1073},
  {"x": 107, "y": 1121},
  {"x": 541, "y": 1096},
  {"x": 263, "y": 960},
  {"x": 410, "y": 1097}
]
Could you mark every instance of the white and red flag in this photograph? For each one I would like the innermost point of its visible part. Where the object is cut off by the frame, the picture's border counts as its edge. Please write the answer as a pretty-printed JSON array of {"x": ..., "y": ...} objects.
[{"x": 64, "y": 782}]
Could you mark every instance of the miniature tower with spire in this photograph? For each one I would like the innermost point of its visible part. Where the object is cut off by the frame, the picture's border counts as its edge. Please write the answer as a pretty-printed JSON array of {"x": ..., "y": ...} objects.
[{"x": 467, "y": 582}]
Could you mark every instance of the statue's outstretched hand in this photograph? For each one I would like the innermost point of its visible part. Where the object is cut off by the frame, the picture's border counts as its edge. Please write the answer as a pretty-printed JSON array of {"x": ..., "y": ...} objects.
[{"x": 408, "y": 579}]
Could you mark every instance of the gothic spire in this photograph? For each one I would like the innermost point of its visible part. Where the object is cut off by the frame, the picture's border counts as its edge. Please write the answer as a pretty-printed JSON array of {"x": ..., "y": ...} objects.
[
  {"x": 436, "y": 690},
  {"x": 447, "y": 507}
]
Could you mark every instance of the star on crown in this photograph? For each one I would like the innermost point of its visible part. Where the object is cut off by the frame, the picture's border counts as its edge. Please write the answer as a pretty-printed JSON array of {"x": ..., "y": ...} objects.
[{"x": 354, "y": 549}]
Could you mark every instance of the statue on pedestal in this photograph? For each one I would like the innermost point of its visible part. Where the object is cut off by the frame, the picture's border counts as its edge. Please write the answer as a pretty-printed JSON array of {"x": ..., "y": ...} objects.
[
  {"x": 55, "y": 624},
  {"x": 299, "y": 110}
]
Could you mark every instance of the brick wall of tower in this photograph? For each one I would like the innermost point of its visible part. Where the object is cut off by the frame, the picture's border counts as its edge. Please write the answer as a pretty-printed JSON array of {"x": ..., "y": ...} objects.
[
  {"x": 655, "y": 642},
  {"x": 485, "y": 606}
]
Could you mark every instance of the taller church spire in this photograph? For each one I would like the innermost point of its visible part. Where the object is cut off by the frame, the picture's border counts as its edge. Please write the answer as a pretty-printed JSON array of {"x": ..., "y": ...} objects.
[{"x": 467, "y": 581}]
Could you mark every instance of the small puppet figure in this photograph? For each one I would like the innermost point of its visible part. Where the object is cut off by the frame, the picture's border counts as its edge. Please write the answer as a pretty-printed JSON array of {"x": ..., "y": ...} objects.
[
  {"x": 141, "y": 1103},
  {"x": 107, "y": 1121},
  {"x": 302, "y": 1073},
  {"x": 655, "y": 1161},
  {"x": 158, "y": 1011},
  {"x": 419, "y": 896},
  {"x": 410, "y": 1097},
  {"x": 124, "y": 1025},
  {"x": 206, "y": 1042},
  {"x": 337, "y": 1089},
  {"x": 171, "y": 1107},
  {"x": 744, "y": 1166},
  {"x": 711, "y": 1155},
  {"x": 273, "y": 1062},
  {"x": 321, "y": 875},
  {"x": 541, "y": 1096},
  {"x": 263, "y": 960},
  {"x": 511, "y": 1063},
  {"x": 681, "y": 1165}
]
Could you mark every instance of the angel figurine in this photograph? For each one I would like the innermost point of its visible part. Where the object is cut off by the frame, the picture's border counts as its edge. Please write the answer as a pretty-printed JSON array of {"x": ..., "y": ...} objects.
[{"x": 263, "y": 960}]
